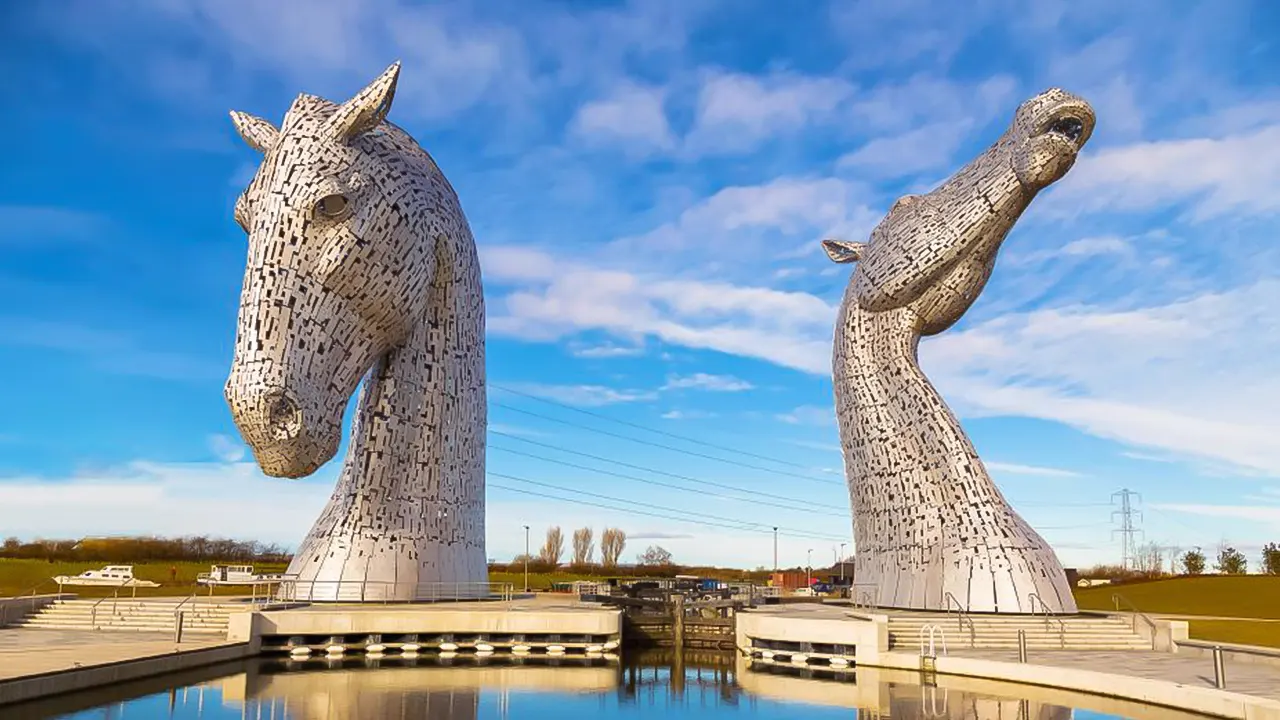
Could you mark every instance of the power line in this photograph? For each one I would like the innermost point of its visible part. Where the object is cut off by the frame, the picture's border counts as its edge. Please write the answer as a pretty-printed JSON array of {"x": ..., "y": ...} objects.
[
  {"x": 662, "y": 484},
  {"x": 718, "y": 518},
  {"x": 665, "y": 447},
  {"x": 638, "y": 426},
  {"x": 642, "y": 468},
  {"x": 738, "y": 525}
]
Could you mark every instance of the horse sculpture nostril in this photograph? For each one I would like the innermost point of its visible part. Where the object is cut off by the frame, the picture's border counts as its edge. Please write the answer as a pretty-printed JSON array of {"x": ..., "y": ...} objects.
[{"x": 284, "y": 418}]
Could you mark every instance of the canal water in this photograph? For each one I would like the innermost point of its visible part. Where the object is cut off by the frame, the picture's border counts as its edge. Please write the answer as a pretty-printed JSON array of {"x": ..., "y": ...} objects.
[{"x": 648, "y": 685}]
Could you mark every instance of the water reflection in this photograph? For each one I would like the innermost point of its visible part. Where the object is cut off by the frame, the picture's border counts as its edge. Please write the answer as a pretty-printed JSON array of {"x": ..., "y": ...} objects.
[{"x": 695, "y": 685}]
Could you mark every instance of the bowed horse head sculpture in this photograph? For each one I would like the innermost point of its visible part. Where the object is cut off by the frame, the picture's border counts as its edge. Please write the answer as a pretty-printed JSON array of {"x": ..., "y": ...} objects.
[
  {"x": 361, "y": 263},
  {"x": 932, "y": 530}
]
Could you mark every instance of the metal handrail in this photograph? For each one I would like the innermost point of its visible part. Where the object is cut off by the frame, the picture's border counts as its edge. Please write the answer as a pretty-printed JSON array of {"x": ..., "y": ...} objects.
[
  {"x": 1117, "y": 598},
  {"x": 1034, "y": 598},
  {"x": 962, "y": 614},
  {"x": 177, "y": 610},
  {"x": 381, "y": 590},
  {"x": 93, "y": 610}
]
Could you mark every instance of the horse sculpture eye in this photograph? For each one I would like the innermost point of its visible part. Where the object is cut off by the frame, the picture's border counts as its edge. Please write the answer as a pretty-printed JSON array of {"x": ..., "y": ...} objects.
[{"x": 332, "y": 205}]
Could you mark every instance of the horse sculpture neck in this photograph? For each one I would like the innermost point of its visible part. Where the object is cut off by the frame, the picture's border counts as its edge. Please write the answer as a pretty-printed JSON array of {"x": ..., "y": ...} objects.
[{"x": 407, "y": 514}]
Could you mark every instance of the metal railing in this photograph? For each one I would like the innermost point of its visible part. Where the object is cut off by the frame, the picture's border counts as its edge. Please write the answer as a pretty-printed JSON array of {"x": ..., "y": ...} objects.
[
  {"x": 933, "y": 632},
  {"x": 93, "y": 610},
  {"x": 387, "y": 591},
  {"x": 1033, "y": 599},
  {"x": 962, "y": 615},
  {"x": 1117, "y": 598}
]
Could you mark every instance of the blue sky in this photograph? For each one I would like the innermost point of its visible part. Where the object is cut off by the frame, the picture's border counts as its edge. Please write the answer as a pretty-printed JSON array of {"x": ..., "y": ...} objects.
[{"x": 648, "y": 183}]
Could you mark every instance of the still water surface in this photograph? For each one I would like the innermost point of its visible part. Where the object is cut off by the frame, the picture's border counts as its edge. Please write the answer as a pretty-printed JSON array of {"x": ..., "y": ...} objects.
[{"x": 707, "y": 685}]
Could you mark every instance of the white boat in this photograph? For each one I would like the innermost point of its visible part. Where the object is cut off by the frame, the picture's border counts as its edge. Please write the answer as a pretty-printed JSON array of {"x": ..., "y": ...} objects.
[
  {"x": 109, "y": 576},
  {"x": 235, "y": 575}
]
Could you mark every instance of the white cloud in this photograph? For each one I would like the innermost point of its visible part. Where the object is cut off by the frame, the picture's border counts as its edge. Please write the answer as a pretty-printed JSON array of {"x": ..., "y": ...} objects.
[
  {"x": 227, "y": 449},
  {"x": 633, "y": 117},
  {"x": 1109, "y": 373},
  {"x": 924, "y": 148},
  {"x": 584, "y": 395},
  {"x": 737, "y": 112},
  {"x": 1216, "y": 176},
  {"x": 706, "y": 381},
  {"x": 810, "y": 415},
  {"x": 225, "y": 499},
  {"x": 1016, "y": 469},
  {"x": 687, "y": 415},
  {"x": 605, "y": 350},
  {"x": 1268, "y": 515},
  {"x": 1103, "y": 245}
]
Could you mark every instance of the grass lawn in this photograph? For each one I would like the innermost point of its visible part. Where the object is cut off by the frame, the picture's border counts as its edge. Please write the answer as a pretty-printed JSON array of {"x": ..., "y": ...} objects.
[
  {"x": 19, "y": 576},
  {"x": 1244, "y": 596},
  {"x": 1242, "y": 632}
]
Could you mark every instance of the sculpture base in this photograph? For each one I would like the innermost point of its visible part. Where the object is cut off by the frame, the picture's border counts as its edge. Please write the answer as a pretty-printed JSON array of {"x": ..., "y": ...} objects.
[
  {"x": 974, "y": 579},
  {"x": 379, "y": 570}
]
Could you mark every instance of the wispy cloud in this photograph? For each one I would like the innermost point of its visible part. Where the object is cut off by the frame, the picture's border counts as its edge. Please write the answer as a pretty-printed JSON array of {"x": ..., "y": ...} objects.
[
  {"x": 584, "y": 395},
  {"x": 809, "y": 415},
  {"x": 707, "y": 381},
  {"x": 1017, "y": 469},
  {"x": 108, "y": 351}
]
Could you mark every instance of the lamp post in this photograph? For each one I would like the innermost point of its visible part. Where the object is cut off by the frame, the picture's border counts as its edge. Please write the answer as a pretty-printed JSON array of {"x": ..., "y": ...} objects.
[
  {"x": 526, "y": 558},
  {"x": 808, "y": 569},
  {"x": 842, "y": 563},
  {"x": 775, "y": 549}
]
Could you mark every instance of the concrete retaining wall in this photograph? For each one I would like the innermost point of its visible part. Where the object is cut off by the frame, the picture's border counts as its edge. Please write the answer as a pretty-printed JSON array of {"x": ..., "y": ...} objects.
[
  {"x": 337, "y": 621},
  {"x": 14, "y": 609}
]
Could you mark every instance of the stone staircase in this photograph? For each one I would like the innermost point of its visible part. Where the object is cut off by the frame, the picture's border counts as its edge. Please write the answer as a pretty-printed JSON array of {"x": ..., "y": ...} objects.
[
  {"x": 144, "y": 615},
  {"x": 1071, "y": 632}
]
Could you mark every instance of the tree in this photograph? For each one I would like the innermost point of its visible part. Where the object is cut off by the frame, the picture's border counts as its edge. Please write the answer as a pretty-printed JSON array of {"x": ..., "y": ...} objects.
[
  {"x": 1193, "y": 562},
  {"x": 654, "y": 555},
  {"x": 1271, "y": 559},
  {"x": 1231, "y": 562},
  {"x": 582, "y": 546},
  {"x": 612, "y": 541},
  {"x": 553, "y": 548},
  {"x": 1149, "y": 560}
]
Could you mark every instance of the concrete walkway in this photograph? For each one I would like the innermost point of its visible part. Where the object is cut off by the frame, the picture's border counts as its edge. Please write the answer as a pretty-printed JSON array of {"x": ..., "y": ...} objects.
[
  {"x": 1246, "y": 678},
  {"x": 26, "y": 651}
]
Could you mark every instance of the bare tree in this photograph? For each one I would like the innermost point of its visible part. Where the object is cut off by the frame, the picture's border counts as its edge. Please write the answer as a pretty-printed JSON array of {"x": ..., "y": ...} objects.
[
  {"x": 612, "y": 541},
  {"x": 553, "y": 548},
  {"x": 583, "y": 548},
  {"x": 654, "y": 555},
  {"x": 1149, "y": 560}
]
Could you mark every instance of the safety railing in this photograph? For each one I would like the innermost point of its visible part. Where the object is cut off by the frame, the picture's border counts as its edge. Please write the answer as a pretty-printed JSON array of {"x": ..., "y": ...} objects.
[
  {"x": 1034, "y": 599},
  {"x": 1117, "y": 598},
  {"x": 962, "y": 616},
  {"x": 93, "y": 610},
  {"x": 387, "y": 591}
]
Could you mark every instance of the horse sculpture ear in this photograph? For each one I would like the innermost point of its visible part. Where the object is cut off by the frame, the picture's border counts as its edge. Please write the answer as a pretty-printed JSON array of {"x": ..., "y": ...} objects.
[
  {"x": 843, "y": 251},
  {"x": 368, "y": 108},
  {"x": 258, "y": 133}
]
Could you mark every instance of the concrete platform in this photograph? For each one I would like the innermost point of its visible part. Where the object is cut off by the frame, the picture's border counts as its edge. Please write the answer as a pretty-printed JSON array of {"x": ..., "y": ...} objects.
[
  {"x": 539, "y": 622},
  {"x": 839, "y": 639},
  {"x": 38, "y": 663}
]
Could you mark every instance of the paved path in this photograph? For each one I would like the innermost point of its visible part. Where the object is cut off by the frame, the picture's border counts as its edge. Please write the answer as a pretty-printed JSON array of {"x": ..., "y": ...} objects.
[
  {"x": 1248, "y": 678},
  {"x": 28, "y": 651}
]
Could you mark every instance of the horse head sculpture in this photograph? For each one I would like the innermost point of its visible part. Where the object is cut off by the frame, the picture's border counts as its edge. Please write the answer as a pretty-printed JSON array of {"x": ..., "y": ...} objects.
[{"x": 361, "y": 263}]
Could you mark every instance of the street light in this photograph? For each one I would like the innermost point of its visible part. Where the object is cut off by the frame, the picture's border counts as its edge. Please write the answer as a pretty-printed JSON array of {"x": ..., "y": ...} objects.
[
  {"x": 526, "y": 558},
  {"x": 842, "y": 563},
  {"x": 808, "y": 569},
  {"x": 775, "y": 549}
]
